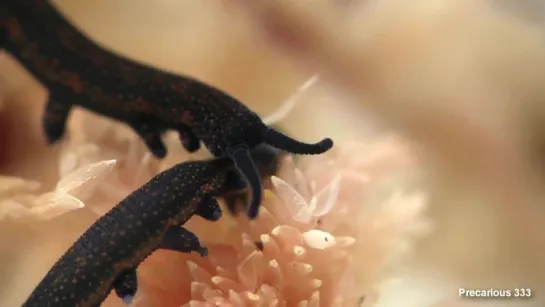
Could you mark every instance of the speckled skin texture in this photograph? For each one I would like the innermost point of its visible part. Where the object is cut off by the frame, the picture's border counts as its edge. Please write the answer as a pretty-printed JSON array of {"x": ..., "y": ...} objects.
[
  {"x": 107, "y": 254},
  {"x": 79, "y": 72}
]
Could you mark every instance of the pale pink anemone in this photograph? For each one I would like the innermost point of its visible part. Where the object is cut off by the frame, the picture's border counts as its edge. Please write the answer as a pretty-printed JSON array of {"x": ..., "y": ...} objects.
[{"x": 22, "y": 200}]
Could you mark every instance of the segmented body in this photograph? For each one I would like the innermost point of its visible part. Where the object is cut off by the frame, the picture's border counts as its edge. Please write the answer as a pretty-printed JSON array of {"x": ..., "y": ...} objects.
[{"x": 121, "y": 239}]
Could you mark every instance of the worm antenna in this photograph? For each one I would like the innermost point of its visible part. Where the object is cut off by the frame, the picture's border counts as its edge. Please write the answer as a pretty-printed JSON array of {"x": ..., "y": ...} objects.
[
  {"x": 281, "y": 141},
  {"x": 243, "y": 161}
]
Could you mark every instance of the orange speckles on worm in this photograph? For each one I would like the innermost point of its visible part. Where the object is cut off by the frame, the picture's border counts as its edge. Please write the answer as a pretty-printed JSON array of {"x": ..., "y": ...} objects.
[
  {"x": 187, "y": 117},
  {"x": 142, "y": 105},
  {"x": 206, "y": 188},
  {"x": 72, "y": 80}
]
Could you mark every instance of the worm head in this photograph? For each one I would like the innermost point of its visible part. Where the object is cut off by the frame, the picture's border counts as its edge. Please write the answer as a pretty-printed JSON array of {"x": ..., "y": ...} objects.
[
  {"x": 240, "y": 132},
  {"x": 251, "y": 135}
]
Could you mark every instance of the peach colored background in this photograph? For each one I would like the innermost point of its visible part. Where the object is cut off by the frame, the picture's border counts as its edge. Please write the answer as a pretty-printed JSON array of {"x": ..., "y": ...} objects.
[{"x": 198, "y": 38}]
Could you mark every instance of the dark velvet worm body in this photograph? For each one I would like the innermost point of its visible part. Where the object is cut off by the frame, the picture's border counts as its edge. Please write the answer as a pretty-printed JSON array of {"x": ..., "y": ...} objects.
[
  {"x": 78, "y": 72},
  {"x": 106, "y": 256}
]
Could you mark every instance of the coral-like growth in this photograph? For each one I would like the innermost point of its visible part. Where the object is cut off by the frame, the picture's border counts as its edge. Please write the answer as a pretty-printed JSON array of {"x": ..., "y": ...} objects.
[
  {"x": 316, "y": 242},
  {"x": 19, "y": 198}
]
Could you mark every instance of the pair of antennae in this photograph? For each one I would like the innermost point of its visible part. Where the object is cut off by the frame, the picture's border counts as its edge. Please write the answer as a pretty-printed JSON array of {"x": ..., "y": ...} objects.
[{"x": 241, "y": 156}]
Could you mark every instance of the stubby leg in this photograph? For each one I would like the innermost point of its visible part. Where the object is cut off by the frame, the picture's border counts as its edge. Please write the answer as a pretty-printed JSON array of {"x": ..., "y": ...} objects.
[
  {"x": 54, "y": 119},
  {"x": 150, "y": 133},
  {"x": 189, "y": 140},
  {"x": 182, "y": 240},
  {"x": 209, "y": 209},
  {"x": 126, "y": 285}
]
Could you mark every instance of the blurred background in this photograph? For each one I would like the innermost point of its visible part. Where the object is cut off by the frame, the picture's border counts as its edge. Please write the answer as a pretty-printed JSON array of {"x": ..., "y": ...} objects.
[{"x": 474, "y": 244}]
